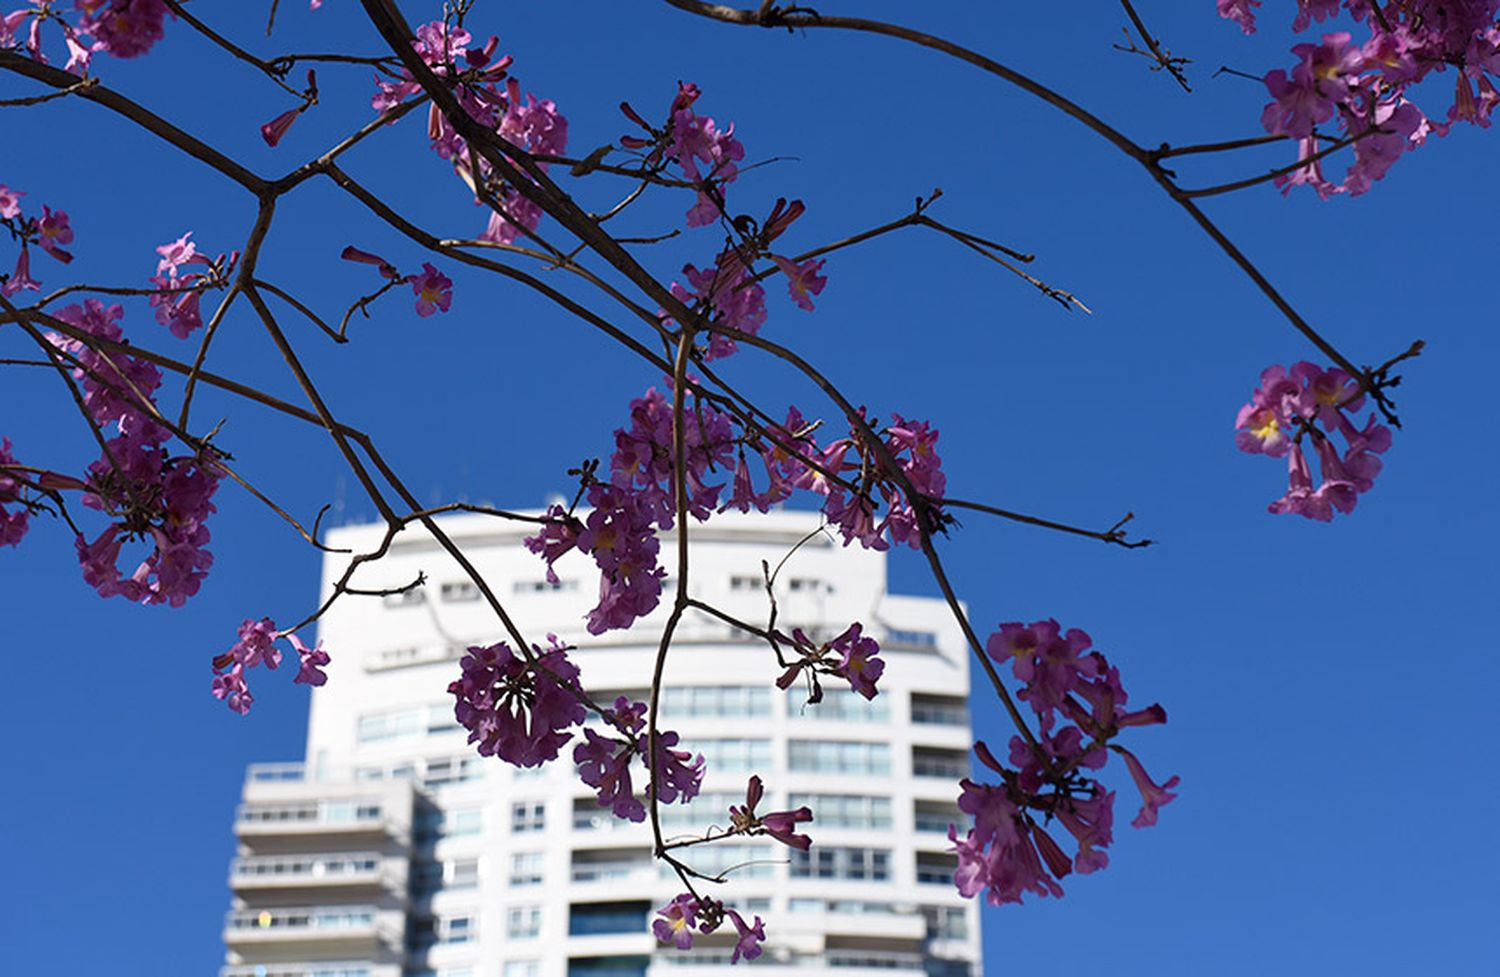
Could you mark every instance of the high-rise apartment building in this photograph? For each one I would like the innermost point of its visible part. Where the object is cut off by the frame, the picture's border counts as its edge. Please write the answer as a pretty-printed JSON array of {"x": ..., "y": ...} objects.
[{"x": 394, "y": 850}]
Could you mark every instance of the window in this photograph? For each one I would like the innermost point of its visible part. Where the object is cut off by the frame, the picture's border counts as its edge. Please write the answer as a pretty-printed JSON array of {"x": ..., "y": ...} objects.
[
  {"x": 429, "y": 876},
  {"x": 395, "y": 724},
  {"x": 523, "y": 922},
  {"x": 808, "y": 585},
  {"x": 427, "y": 931},
  {"x": 703, "y": 810},
  {"x": 589, "y": 816},
  {"x": 839, "y": 756},
  {"x": 522, "y": 968},
  {"x": 939, "y": 710},
  {"x": 452, "y": 770},
  {"x": 911, "y": 639},
  {"x": 823, "y": 862},
  {"x": 527, "y": 867},
  {"x": 405, "y": 598},
  {"x": 459, "y": 591},
  {"x": 716, "y": 700},
  {"x": 745, "y": 582},
  {"x": 936, "y": 869},
  {"x": 430, "y": 824},
  {"x": 542, "y": 586},
  {"x": 592, "y": 918},
  {"x": 945, "y": 968},
  {"x": 949, "y": 764},
  {"x": 846, "y": 810},
  {"x": 740, "y": 861},
  {"x": 937, "y": 816},
  {"x": 528, "y": 816},
  {"x": 611, "y": 966},
  {"x": 840, "y": 705},
  {"x": 725, "y": 755},
  {"x": 946, "y": 922}
]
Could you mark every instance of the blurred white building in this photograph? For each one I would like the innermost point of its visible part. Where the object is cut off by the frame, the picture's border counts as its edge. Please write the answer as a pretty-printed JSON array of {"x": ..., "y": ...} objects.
[{"x": 395, "y": 850}]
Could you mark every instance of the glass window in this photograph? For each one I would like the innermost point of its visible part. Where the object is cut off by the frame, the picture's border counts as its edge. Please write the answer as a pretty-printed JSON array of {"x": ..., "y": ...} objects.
[
  {"x": 390, "y": 724},
  {"x": 839, "y": 705},
  {"x": 526, "y": 816},
  {"x": 700, "y": 812},
  {"x": 738, "y": 861},
  {"x": 936, "y": 869},
  {"x": 846, "y": 810},
  {"x": 522, "y": 968},
  {"x": 716, "y": 700},
  {"x": 839, "y": 756},
  {"x": 823, "y": 862},
  {"x": 591, "y": 918},
  {"x": 405, "y": 598},
  {"x": 523, "y": 922},
  {"x": 946, "y": 922},
  {"x": 732, "y": 755},
  {"x": 937, "y": 816},
  {"x": 931, "y": 762},
  {"x": 939, "y": 710},
  {"x": 611, "y": 966},
  {"x": 459, "y": 591},
  {"x": 527, "y": 867}
]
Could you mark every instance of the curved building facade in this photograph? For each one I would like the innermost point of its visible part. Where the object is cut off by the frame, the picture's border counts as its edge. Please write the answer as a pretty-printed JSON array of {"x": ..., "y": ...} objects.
[{"x": 394, "y": 850}]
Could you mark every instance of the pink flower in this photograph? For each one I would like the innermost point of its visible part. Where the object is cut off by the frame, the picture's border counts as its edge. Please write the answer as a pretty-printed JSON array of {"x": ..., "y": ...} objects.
[
  {"x": 1153, "y": 796},
  {"x": 312, "y": 659},
  {"x": 750, "y": 938},
  {"x": 180, "y": 252},
  {"x": 12, "y": 524},
  {"x": 604, "y": 764},
  {"x": 386, "y": 269},
  {"x": 21, "y": 280},
  {"x": 54, "y": 232},
  {"x": 1242, "y": 12},
  {"x": 10, "y": 200},
  {"x": 231, "y": 686},
  {"x": 802, "y": 281},
  {"x": 272, "y": 131},
  {"x": 433, "y": 289},
  {"x": 678, "y": 920},
  {"x": 781, "y": 825},
  {"x": 859, "y": 664},
  {"x": 124, "y": 28}
]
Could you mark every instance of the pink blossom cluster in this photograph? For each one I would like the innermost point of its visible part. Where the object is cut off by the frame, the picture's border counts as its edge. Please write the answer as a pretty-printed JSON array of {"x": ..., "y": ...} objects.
[
  {"x": 1009, "y": 851},
  {"x": 176, "y": 300},
  {"x": 521, "y": 711},
  {"x": 533, "y": 126},
  {"x": 123, "y": 28},
  {"x": 1365, "y": 86},
  {"x": 161, "y": 501},
  {"x": 1311, "y": 403},
  {"x": 49, "y": 231},
  {"x": 256, "y": 645},
  {"x": 729, "y": 295},
  {"x": 603, "y": 763},
  {"x": 688, "y": 915},
  {"x": 705, "y": 153},
  {"x": 850, "y": 656}
]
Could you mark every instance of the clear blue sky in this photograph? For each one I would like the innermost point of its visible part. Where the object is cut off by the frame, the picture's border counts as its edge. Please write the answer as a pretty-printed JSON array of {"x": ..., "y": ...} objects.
[{"x": 1326, "y": 683}]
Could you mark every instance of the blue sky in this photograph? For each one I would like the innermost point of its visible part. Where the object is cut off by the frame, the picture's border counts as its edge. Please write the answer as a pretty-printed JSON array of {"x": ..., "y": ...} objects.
[{"x": 1325, "y": 683}]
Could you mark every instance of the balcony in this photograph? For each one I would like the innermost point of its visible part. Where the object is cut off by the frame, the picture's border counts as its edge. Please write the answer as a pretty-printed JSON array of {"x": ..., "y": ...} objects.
[
  {"x": 354, "y": 817},
  {"x": 349, "y": 870},
  {"x": 319, "y": 968},
  {"x": 352, "y": 930}
]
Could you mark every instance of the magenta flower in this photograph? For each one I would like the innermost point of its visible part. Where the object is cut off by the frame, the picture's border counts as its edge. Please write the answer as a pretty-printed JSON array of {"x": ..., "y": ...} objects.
[
  {"x": 781, "y": 825},
  {"x": 386, "y": 269},
  {"x": 515, "y": 710},
  {"x": 256, "y": 644},
  {"x": 178, "y": 253},
  {"x": 312, "y": 661},
  {"x": 604, "y": 764},
  {"x": 231, "y": 686},
  {"x": 750, "y": 938},
  {"x": 1242, "y": 12},
  {"x": 21, "y": 280},
  {"x": 10, "y": 200},
  {"x": 13, "y": 525},
  {"x": 802, "y": 281},
  {"x": 272, "y": 131},
  {"x": 1153, "y": 796},
  {"x": 433, "y": 289},
  {"x": 676, "y": 774},
  {"x": 117, "y": 388},
  {"x": 678, "y": 921},
  {"x": 54, "y": 232},
  {"x": 859, "y": 664}
]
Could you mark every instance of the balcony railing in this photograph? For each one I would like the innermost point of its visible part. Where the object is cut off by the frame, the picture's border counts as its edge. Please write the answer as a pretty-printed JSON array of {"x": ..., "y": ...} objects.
[
  {"x": 302, "y": 924},
  {"x": 264, "y": 871},
  {"x": 292, "y": 817},
  {"x": 313, "y": 969}
]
